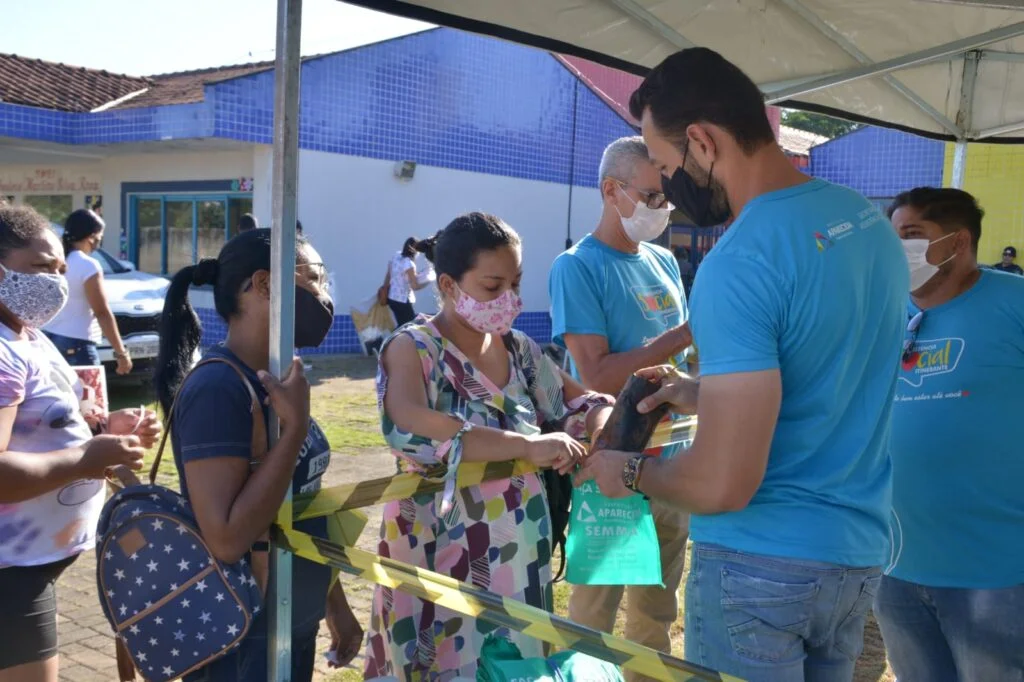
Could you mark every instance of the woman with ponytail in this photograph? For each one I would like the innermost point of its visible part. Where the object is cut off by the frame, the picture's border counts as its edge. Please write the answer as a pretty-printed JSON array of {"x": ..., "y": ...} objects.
[
  {"x": 76, "y": 329},
  {"x": 211, "y": 435}
]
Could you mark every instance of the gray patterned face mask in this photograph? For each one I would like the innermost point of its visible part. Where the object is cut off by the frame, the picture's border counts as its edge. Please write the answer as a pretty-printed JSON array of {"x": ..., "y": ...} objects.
[{"x": 35, "y": 298}]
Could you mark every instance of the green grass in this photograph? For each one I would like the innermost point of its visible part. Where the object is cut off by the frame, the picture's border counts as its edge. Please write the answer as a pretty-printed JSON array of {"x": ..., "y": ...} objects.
[
  {"x": 345, "y": 676},
  {"x": 350, "y": 421}
]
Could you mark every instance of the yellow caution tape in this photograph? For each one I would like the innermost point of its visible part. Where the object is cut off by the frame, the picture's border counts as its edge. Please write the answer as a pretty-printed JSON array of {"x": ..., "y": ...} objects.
[
  {"x": 403, "y": 486},
  {"x": 494, "y": 608}
]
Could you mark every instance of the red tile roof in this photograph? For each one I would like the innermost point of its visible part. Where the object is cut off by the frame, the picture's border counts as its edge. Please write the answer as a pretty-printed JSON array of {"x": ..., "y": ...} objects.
[
  {"x": 187, "y": 86},
  {"x": 615, "y": 87},
  {"x": 49, "y": 85}
]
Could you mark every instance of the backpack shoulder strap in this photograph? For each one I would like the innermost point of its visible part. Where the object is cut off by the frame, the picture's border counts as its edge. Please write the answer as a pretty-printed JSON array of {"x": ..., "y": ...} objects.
[{"x": 259, "y": 427}]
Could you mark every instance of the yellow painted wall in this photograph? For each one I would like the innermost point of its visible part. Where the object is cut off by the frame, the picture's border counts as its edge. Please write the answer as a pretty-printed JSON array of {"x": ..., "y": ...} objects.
[{"x": 995, "y": 176}]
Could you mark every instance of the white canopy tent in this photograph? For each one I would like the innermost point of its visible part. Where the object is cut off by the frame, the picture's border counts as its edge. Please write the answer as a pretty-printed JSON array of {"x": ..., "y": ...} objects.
[{"x": 946, "y": 69}]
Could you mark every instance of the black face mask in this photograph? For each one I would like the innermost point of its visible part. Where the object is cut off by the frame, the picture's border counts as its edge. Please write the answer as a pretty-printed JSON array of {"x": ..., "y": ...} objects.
[
  {"x": 694, "y": 200},
  {"x": 314, "y": 316}
]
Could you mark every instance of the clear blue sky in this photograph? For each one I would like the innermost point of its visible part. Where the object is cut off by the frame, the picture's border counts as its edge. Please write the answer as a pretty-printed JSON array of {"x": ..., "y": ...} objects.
[{"x": 144, "y": 37}]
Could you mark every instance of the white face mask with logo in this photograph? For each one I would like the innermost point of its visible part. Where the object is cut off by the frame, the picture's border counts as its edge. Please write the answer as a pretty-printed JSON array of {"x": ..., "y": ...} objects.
[
  {"x": 921, "y": 271},
  {"x": 646, "y": 223}
]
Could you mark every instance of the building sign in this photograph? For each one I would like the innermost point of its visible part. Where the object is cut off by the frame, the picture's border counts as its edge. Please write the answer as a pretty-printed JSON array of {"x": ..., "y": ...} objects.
[{"x": 48, "y": 181}]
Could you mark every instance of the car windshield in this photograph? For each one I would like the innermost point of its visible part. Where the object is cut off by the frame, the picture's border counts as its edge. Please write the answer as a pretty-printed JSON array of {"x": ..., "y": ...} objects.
[{"x": 109, "y": 263}]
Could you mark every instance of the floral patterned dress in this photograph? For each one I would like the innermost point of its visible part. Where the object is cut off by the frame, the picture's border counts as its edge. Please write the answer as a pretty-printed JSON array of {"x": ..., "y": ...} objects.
[{"x": 496, "y": 535}]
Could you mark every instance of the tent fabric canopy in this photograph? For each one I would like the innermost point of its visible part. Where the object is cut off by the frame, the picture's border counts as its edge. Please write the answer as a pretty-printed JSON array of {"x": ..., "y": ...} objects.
[{"x": 946, "y": 69}]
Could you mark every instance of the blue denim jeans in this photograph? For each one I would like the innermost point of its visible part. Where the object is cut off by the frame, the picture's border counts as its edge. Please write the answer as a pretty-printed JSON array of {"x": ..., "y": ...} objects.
[
  {"x": 78, "y": 352},
  {"x": 770, "y": 619},
  {"x": 941, "y": 634}
]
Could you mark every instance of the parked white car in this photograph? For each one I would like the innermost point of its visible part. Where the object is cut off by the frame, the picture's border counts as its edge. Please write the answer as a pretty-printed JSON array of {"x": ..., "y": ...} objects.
[{"x": 137, "y": 301}]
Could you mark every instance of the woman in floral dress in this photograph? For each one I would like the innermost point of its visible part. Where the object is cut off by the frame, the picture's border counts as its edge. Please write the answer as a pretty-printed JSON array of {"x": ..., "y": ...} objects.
[{"x": 463, "y": 387}]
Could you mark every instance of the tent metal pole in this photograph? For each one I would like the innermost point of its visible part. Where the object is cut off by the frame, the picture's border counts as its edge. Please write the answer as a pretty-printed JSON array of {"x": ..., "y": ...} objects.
[
  {"x": 1000, "y": 130},
  {"x": 959, "y": 164},
  {"x": 802, "y": 11},
  {"x": 645, "y": 17},
  {"x": 287, "y": 69},
  {"x": 937, "y": 53}
]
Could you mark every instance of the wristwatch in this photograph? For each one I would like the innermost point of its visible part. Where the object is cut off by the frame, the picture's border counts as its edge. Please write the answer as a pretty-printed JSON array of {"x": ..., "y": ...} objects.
[{"x": 631, "y": 472}]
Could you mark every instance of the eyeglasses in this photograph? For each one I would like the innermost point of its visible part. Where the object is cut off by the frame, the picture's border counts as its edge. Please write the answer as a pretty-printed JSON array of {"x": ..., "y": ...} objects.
[
  {"x": 912, "y": 328},
  {"x": 317, "y": 272},
  {"x": 652, "y": 199}
]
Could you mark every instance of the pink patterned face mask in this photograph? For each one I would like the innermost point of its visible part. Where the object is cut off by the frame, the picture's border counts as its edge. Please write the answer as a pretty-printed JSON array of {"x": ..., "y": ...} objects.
[{"x": 489, "y": 317}]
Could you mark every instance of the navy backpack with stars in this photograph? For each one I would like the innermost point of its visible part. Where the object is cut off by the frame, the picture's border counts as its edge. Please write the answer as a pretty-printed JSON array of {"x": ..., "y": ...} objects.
[{"x": 173, "y": 606}]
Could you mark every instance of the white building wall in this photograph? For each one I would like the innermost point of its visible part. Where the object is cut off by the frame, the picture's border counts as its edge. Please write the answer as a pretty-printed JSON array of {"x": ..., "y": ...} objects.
[
  {"x": 76, "y": 179},
  {"x": 353, "y": 209},
  {"x": 357, "y": 214},
  {"x": 157, "y": 167}
]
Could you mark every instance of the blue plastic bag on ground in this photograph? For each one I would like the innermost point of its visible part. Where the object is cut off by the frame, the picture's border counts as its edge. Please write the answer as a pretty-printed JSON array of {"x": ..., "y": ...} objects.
[{"x": 611, "y": 541}]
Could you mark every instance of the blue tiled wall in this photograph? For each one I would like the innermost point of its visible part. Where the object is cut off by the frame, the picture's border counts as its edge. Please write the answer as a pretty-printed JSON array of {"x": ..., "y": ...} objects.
[
  {"x": 343, "y": 339},
  {"x": 440, "y": 98},
  {"x": 878, "y": 162}
]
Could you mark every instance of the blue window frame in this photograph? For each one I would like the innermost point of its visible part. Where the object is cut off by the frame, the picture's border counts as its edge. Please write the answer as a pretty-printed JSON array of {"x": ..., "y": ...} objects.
[{"x": 168, "y": 231}]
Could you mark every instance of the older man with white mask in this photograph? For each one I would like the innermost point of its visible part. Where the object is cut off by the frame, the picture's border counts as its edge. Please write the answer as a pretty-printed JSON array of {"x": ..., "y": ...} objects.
[{"x": 618, "y": 305}]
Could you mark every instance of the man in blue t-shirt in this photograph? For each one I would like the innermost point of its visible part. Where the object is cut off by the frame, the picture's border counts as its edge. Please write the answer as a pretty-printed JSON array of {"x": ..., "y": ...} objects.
[
  {"x": 797, "y": 313},
  {"x": 952, "y": 607},
  {"x": 617, "y": 305}
]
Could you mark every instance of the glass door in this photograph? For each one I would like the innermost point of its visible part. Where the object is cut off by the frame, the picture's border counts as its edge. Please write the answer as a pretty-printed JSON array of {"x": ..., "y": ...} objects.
[
  {"x": 210, "y": 228},
  {"x": 179, "y": 222},
  {"x": 148, "y": 218},
  {"x": 171, "y": 231}
]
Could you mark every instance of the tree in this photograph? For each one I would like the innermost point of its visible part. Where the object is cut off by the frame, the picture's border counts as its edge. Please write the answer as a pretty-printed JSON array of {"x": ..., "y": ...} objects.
[{"x": 819, "y": 124}]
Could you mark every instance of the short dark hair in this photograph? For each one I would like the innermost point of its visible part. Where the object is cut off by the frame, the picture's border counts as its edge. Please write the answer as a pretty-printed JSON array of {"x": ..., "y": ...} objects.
[
  {"x": 19, "y": 225},
  {"x": 409, "y": 247},
  {"x": 81, "y": 224},
  {"x": 247, "y": 222},
  {"x": 464, "y": 238},
  {"x": 952, "y": 209},
  {"x": 699, "y": 85}
]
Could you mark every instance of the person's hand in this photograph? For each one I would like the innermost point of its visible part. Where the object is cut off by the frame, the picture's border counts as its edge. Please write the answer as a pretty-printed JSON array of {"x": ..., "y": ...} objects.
[
  {"x": 136, "y": 422},
  {"x": 557, "y": 451},
  {"x": 682, "y": 336},
  {"x": 104, "y": 452},
  {"x": 289, "y": 398},
  {"x": 124, "y": 364},
  {"x": 346, "y": 632},
  {"x": 605, "y": 468},
  {"x": 679, "y": 390}
]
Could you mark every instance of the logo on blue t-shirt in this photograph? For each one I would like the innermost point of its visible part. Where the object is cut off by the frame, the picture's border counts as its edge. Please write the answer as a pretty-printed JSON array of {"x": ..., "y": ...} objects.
[
  {"x": 931, "y": 358},
  {"x": 655, "y": 301}
]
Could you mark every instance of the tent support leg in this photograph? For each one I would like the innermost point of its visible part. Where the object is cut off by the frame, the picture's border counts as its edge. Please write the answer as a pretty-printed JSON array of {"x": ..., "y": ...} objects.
[
  {"x": 959, "y": 164},
  {"x": 287, "y": 69}
]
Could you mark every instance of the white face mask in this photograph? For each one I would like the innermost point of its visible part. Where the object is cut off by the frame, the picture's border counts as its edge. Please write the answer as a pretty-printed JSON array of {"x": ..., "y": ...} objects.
[
  {"x": 646, "y": 223},
  {"x": 921, "y": 271}
]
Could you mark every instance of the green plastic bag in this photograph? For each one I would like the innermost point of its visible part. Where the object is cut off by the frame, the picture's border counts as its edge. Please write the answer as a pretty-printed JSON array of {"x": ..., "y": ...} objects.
[
  {"x": 572, "y": 666},
  {"x": 611, "y": 541},
  {"x": 501, "y": 661}
]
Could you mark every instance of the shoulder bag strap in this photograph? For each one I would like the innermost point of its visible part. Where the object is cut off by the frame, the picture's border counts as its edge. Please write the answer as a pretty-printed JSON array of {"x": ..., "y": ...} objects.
[{"x": 259, "y": 427}]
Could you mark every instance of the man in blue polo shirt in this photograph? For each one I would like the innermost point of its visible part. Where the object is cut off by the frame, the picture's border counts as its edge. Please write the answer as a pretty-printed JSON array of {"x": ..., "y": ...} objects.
[
  {"x": 952, "y": 607},
  {"x": 617, "y": 305},
  {"x": 797, "y": 312}
]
